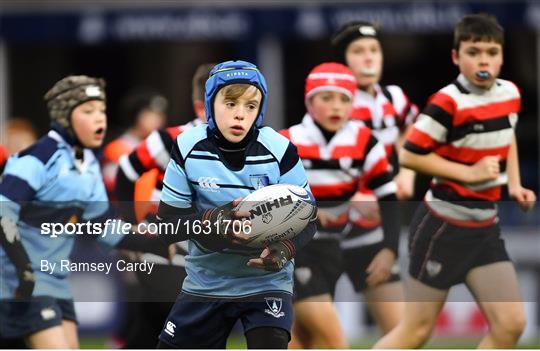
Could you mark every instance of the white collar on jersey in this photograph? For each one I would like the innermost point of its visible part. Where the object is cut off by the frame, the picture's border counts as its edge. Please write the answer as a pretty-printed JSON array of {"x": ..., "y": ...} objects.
[
  {"x": 316, "y": 135},
  {"x": 365, "y": 95},
  {"x": 473, "y": 88},
  {"x": 88, "y": 155}
]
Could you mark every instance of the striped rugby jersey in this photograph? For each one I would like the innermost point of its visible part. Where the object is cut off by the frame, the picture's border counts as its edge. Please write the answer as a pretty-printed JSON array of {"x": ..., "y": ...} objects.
[
  {"x": 334, "y": 169},
  {"x": 45, "y": 184},
  {"x": 463, "y": 123},
  {"x": 153, "y": 154},
  {"x": 387, "y": 114},
  {"x": 198, "y": 176}
]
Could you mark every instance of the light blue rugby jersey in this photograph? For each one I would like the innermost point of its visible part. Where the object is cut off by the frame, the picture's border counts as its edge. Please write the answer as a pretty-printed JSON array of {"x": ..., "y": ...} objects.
[
  {"x": 43, "y": 185},
  {"x": 197, "y": 176}
]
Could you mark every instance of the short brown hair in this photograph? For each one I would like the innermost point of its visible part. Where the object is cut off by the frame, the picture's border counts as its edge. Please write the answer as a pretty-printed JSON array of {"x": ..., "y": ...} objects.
[
  {"x": 234, "y": 91},
  {"x": 199, "y": 81},
  {"x": 478, "y": 27}
]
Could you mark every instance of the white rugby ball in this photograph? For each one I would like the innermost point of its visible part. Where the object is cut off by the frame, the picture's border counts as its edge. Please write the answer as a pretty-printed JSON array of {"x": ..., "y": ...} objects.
[{"x": 278, "y": 212}]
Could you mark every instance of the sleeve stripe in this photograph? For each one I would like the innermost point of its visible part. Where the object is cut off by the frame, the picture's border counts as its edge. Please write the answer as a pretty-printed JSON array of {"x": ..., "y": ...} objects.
[
  {"x": 289, "y": 160},
  {"x": 421, "y": 139},
  {"x": 157, "y": 148},
  {"x": 16, "y": 189},
  {"x": 175, "y": 191},
  {"x": 379, "y": 180},
  {"x": 128, "y": 169},
  {"x": 444, "y": 102},
  {"x": 374, "y": 154},
  {"x": 143, "y": 157},
  {"x": 377, "y": 169},
  {"x": 439, "y": 115},
  {"x": 177, "y": 156},
  {"x": 427, "y": 125},
  {"x": 409, "y": 146},
  {"x": 386, "y": 189}
]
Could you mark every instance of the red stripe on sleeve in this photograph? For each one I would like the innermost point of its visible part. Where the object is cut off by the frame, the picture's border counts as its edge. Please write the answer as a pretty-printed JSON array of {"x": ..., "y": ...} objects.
[
  {"x": 421, "y": 139},
  {"x": 143, "y": 154},
  {"x": 444, "y": 101},
  {"x": 361, "y": 114}
]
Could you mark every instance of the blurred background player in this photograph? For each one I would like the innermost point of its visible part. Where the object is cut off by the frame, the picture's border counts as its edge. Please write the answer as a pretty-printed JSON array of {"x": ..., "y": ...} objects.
[
  {"x": 371, "y": 267},
  {"x": 338, "y": 155},
  {"x": 144, "y": 111},
  {"x": 465, "y": 139},
  {"x": 19, "y": 134},
  {"x": 56, "y": 180},
  {"x": 153, "y": 154},
  {"x": 3, "y": 158},
  {"x": 157, "y": 291}
]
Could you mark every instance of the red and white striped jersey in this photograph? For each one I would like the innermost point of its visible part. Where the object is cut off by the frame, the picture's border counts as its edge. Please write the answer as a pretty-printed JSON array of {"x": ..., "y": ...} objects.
[
  {"x": 387, "y": 114},
  {"x": 111, "y": 155},
  {"x": 334, "y": 169},
  {"x": 463, "y": 124},
  {"x": 151, "y": 156},
  {"x": 153, "y": 152}
]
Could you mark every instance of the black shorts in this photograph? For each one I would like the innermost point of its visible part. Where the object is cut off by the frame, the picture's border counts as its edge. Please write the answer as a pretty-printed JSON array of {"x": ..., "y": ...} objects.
[
  {"x": 196, "y": 322},
  {"x": 357, "y": 260},
  {"x": 317, "y": 269},
  {"x": 22, "y": 318},
  {"x": 441, "y": 254}
]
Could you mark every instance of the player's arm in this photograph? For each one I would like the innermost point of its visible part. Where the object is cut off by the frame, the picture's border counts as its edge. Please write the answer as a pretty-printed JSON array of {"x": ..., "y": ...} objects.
[
  {"x": 524, "y": 197},
  {"x": 98, "y": 210},
  {"x": 177, "y": 209},
  {"x": 378, "y": 177},
  {"x": 487, "y": 168},
  {"x": 22, "y": 178},
  {"x": 275, "y": 256},
  {"x": 405, "y": 177},
  {"x": 429, "y": 132},
  {"x": 151, "y": 153}
]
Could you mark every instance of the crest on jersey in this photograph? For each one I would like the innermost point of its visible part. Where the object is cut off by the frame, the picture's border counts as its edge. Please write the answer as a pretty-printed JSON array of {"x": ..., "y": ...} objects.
[
  {"x": 274, "y": 306},
  {"x": 259, "y": 180},
  {"x": 433, "y": 268}
]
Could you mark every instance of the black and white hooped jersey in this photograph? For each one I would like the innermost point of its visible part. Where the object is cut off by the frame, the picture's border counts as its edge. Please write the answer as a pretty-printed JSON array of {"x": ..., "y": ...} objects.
[
  {"x": 336, "y": 168},
  {"x": 463, "y": 123}
]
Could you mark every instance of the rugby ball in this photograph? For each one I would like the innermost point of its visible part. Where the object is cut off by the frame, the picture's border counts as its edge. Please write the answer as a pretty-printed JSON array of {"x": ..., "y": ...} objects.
[{"x": 278, "y": 212}]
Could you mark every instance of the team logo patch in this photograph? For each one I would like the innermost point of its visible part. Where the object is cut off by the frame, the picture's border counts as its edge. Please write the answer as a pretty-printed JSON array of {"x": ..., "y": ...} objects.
[
  {"x": 303, "y": 275},
  {"x": 433, "y": 268},
  {"x": 274, "y": 306},
  {"x": 259, "y": 180},
  {"x": 92, "y": 91},
  {"x": 48, "y": 314},
  {"x": 169, "y": 328}
]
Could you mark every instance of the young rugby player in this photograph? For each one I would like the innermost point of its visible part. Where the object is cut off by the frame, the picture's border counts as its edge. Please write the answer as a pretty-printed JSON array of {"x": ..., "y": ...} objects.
[
  {"x": 465, "y": 139},
  {"x": 389, "y": 113},
  {"x": 56, "y": 180},
  {"x": 212, "y": 165},
  {"x": 339, "y": 154}
]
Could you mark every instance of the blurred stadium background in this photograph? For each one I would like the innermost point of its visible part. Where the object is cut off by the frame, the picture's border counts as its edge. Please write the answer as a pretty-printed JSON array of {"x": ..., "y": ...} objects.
[{"x": 160, "y": 43}]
